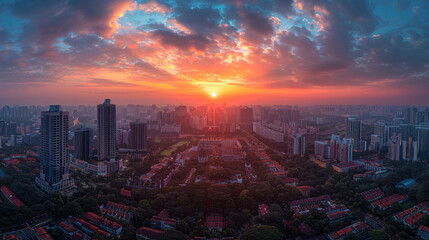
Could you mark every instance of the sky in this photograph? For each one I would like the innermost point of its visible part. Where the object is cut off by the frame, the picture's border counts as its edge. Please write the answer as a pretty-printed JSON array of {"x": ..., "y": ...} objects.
[{"x": 293, "y": 52}]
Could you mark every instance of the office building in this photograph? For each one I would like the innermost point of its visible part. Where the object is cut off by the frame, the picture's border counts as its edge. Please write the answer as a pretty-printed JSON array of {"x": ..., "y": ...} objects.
[
  {"x": 54, "y": 157},
  {"x": 106, "y": 116}
]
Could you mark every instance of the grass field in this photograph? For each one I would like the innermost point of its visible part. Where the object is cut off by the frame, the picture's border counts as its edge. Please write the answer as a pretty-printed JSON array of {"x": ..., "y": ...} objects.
[
  {"x": 179, "y": 144},
  {"x": 168, "y": 152}
]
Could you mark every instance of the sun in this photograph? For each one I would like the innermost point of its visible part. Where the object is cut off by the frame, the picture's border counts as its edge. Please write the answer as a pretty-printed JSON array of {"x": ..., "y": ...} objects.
[{"x": 213, "y": 94}]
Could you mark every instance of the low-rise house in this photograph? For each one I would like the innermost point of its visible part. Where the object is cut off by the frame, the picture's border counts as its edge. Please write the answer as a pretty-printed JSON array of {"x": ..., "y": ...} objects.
[
  {"x": 361, "y": 229},
  {"x": 407, "y": 183},
  {"x": 162, "y": 221},
  {"x": 423, "y": 232},
  {"x": 263, "y": 209},
  {"x": 103, "y": 223},
  {"x": 291, "y": 181},
  {"x": 387, "y": 202},
  {"x": 118, "y": 211},
  {"x": 372, "y": 194},
  {"x": 305, "y": 190},
  {"x": 10, "y": 196},
  {"x": 214, "y": 222},
  {"x": 149, "y": 233}
]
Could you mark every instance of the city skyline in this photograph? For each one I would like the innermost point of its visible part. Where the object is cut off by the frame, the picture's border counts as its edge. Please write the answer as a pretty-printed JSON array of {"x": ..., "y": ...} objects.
[{"x": 240, "y": 52}]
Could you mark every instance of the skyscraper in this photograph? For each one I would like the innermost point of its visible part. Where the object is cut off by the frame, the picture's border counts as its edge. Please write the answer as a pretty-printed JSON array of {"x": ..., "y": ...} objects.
[
  {"x": 54, "y": 157},
  {"x": 354, "y": 131},
  {"x": 106, "y": 115},
  {"x": 138, "y": 139},
  {"x": 83, "y": 143}
]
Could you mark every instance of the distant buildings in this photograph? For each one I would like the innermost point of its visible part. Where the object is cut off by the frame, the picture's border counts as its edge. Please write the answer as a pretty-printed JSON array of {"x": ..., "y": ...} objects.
[
  {"x": 376, "y": 143},
  {"x": 138, "y": 137},
  {"x": 296, "y": 145},
  {"x": 344, "y": 167},
  {"x": 337, "y": 149},
  {"x": 54, "y": 157},
  {"x": 354, "y": 131},
  {"x": 106, "y": 116},
  {"x": 246, "y": 118},
  {"x": 268, "y": 132},
  {"x": 224, "y": 149},
  {"x": 402, "y": 150},
  {"x": 83, "y": 143}
]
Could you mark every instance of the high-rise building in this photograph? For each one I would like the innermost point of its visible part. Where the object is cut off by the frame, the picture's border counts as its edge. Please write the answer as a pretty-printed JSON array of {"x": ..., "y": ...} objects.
[
  {"x": 138, "y": 139},
  {"x": 323, "y": 148},
  {"x": 376, "y": 143},
  {"x": 409, "y": 149},
  {"x": 423, "y": 138},
  {"x": 2, "y": 128},
  {"x": 381, "y": 130},
  {"x": 83, "y": 143},
  {"x": 345, "y": 150},
  {"x": 354, "y": 131},
  {"x": 54, "y": 157},
  {"x": 394, "y": 151},
  {"x": 106, "y": 116},
  {"x": 296, "y": 145}
]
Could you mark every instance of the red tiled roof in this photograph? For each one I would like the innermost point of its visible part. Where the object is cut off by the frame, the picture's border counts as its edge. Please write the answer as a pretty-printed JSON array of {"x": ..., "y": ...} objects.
[
  {"x": 413, "y": 219},
  {"x": 291, "y": 180},
  {"x": 12, "y": 161},
  {"x": 305, "y": 188},
  {"x": 214, "y": 220},
  {"x": 424, "y": 228},
  {"x": 150, "y": 232},
  {"x": 263, "y": 209},
  {"x": 101, "y": 220},
  {"x": 43, "y": 235},
  {"x": 405, "y": 212},
  {"x": 372, "y": 194},
  {"x": 163, "y": 214},
  {"x": 125, "y": 193},
  {"x": 309, "y": 201},
  {"x": 337, "y": 215},
  {"x": 11, "y": 197}
]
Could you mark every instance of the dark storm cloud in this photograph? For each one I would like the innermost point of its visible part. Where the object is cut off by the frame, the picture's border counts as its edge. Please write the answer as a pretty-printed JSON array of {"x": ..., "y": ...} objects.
[
  {"x": 181, "y": 41},
  {"x": 200, "y": 20},
  {"x": 51, "y": 19}
]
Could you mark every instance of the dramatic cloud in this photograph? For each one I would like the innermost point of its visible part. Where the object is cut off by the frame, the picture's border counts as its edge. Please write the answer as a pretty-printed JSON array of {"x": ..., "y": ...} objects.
[{"x": 296, "y": 50}]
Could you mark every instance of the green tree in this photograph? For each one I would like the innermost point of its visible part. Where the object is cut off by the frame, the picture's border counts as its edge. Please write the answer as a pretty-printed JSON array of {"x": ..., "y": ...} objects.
[
  {"x": 378, "y": 234},
  {"x": 118, "y": 183},
  {"x": 173, "y": 235},
  {"x": 262, "y": 232},
  {"x": 423, "y": 192}
]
